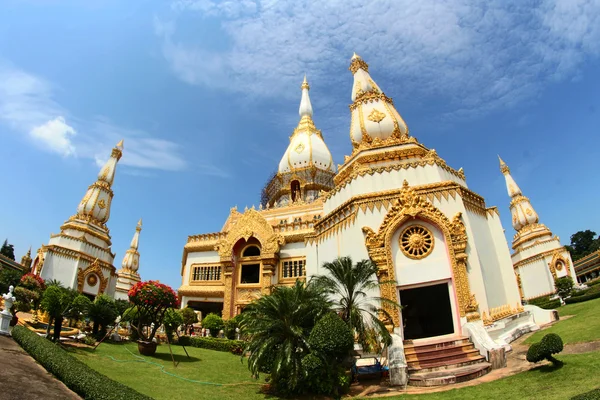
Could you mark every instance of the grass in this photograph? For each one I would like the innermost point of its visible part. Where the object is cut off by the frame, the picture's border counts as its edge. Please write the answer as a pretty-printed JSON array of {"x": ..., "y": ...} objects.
[
  {"x": 205, "y": 366},
  {"x": 583, "y": 326},
  {"x": 578, "y": 374}
]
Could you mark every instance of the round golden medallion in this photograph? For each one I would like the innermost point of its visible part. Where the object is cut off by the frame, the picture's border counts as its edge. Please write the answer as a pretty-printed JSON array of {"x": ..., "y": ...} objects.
[
  {"x": 416, "y": 242},
  {"x": 92, "y": 280},
  {"x": 559, "y": 265}
]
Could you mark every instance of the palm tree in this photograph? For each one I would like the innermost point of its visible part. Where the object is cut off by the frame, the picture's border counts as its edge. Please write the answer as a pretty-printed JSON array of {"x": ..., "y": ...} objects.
[
  {"x": 349, "y": 286},
  {"x": 279, "y": 326}
]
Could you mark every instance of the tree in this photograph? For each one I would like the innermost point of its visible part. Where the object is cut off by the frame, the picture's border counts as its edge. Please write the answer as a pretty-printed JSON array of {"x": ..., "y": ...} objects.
[
  {"x": 189, "y": 317},
  {"x": 29, "y": 292},
  {"x": 214, "y": 323},
  {"x": 9, "y": 277},
  {"x": 544, "y": 350},
  {"x": 8, "y": 250},
  {"x": 151, "y": 300},
  {"x": 56, "y": 301},
  {"x": 349, "y": 284},
  {"x": 279, "y": 325},
  {"x": 173, "y": 319},
  {"x": 103, "y": 312},
  {"x": 122, "y": 305},
  {"x": 564, "y": 286},
  {"x": 583, "y": 243}
]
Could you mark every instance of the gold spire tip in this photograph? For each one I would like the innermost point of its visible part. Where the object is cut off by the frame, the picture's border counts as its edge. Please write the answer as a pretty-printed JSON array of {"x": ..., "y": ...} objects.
[
  {"x": 304, "y": 84},
  {"x": 140, "y": 222},
  {"x": 120, "y": 144},
  {"x": 354, "y": 56}
]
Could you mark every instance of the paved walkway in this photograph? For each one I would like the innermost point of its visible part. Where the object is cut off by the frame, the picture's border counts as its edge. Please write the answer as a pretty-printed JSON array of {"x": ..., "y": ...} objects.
[{"x": 23, "y": 378}]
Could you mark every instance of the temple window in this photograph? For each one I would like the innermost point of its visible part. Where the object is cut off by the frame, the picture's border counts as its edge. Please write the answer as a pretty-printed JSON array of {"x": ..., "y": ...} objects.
[
  {"x": 292, "y": 268},
  {"x": 206, "y": 273},
  {"x": 251, "y": 251},
  {"x": 250, "y": 273},
  {"x": 295, "y": 190}
]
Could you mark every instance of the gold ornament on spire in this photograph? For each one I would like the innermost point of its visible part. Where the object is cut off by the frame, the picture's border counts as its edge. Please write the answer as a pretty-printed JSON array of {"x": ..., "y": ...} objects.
[{"x": 357, "y": 63}]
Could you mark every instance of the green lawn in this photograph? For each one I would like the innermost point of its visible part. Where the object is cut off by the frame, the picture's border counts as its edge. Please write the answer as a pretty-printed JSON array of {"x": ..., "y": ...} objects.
[
  {"x": 578, "y": 374},
  {"x": 583, "y": 326},
  {"x": 210, "y": 367}
]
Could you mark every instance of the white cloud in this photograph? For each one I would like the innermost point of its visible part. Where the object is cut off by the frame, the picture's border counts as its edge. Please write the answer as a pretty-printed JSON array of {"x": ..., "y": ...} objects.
[
  {"x": 27, "y": 105},
  {"x": 476, "y": 55},
  {"x": 55, "y": 135}
]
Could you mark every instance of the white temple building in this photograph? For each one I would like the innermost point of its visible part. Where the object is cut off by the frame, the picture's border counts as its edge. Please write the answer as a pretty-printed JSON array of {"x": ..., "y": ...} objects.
[
  {"x": 80, "y": 256},
  {"x": 538, "y": 257},
  {"x": 393, "y": 200},
  {"x": 128, "y": 275}
]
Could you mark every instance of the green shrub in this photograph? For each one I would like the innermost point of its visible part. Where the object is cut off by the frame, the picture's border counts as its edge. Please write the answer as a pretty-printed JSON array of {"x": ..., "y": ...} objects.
[
  {"x": 591, "y": 395},
  {"x": 593, "y": 283},
  {"x": 233, "y": 346},
  {"x": 173, "y": 319},
  {"x": 230, "y": 326},
  {"x": 563, "y": 286},
  {"x": 583, "y": 298},
  {"x": 331, "y": 338},
  {"x": 536, "y": 301},
  {"x": 533, "y": 353},
  {"x": 543, "y": 350},
  {"x": 578, "y": 293},
  {"x": 80, "y": 378},
  {"x": 551, "y": 305},
  {"x": 214, "y": 323}
]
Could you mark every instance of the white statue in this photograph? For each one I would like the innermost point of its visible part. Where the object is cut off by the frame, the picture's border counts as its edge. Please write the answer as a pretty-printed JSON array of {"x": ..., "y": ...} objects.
[
  {"x": 6, "y": 316},
  {"x": 9, "y": 299}
]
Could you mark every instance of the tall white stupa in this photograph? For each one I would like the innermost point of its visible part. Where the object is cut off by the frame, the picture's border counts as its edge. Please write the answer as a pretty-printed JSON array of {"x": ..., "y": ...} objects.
[
  {"x": 128, "y": 274},
  {"x": 80, "y": 256},
  {"x": 538, "y": 257}
]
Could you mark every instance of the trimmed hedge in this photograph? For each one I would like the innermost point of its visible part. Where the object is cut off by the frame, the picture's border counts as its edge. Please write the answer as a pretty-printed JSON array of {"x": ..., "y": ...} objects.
[
  {"x": 549, "y": 305},
  {"x": 80, "y": 378},
  {"x": 210, "y": 343},
  {"x": 585, "y": 297},
  {"x": 593, "y": 283},
  {"x": 591, "y": 395},
  {"x": 578, "y": 293},
  {"x": 536, "y": 301}
]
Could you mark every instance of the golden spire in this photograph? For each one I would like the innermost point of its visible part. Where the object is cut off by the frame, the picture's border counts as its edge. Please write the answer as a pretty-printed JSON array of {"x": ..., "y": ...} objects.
[
  {"x": 131, "y": 259},
  {"x": 357, "y": 63},
  {"x": 503, "y": 167},
  {"x": 305, "y": 84}
]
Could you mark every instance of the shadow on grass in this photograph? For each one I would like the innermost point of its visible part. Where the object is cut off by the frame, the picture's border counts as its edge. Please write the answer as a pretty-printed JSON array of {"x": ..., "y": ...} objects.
[
  {"x": 179, "y": 358},
  {"x": 550, "y": 367}
]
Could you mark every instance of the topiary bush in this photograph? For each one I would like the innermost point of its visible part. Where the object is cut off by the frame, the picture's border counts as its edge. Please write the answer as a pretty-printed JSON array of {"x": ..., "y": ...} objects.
[
  {"x": 213, "y": 322},
  {"x": 591, "y": 395},
  {"x": 331, "y": 338},
  {"x": 585, "y": 297},
  {"x": 543, "y": 350},
  {"x": 80, "y": 378}
]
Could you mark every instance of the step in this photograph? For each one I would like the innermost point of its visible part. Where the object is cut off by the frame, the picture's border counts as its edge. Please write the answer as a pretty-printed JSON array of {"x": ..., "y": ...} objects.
[
  {"x": 449, "y": 376},
  {"x": 446, "y": 350},
  {"x": 442, "y": 355},
  {"x": 445, "y": 365},
  {"x": 435, "y": 345}
]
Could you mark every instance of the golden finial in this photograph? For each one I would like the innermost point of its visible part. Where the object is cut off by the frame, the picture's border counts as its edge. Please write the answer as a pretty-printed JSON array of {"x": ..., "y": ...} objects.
[
  {"x": 305, "y": 84},
  {"x": 405, "y": 184},
  {"x": 139, "y": 225},
  {"x": 120, "y": 144},
  {"x": 503, "y": 167},
  {"x": 356, "y": 63}
]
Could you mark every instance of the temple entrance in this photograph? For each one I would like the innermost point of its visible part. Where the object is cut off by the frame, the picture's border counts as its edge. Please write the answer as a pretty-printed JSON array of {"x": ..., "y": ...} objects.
[
  {"x": 426, "y": 311},
  {"x": 207, "y": 307}
]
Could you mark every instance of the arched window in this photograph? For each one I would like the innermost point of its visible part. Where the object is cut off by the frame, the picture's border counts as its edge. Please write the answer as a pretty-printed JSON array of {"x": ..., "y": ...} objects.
[
  {"x": 251, "y": 251},
  {"x": 295, "y": 190}
]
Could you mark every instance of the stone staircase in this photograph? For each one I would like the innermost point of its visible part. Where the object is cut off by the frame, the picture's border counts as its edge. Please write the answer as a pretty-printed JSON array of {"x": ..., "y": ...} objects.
[{"x": 444, "y": 361}]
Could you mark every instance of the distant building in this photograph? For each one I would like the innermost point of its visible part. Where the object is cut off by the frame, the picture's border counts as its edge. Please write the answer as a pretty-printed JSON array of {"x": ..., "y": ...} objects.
[{"x": 588, "y": 267}]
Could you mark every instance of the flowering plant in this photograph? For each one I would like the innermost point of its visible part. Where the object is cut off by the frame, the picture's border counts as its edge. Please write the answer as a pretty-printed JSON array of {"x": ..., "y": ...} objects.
[
  {"x": 32, "y": 282},
  {"x": 151, "y": 300},
  {"x": 29, "y": 293}
]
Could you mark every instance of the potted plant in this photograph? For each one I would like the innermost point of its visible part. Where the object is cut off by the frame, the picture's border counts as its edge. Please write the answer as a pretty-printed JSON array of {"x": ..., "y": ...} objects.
[{"x": 151, "y": 300}]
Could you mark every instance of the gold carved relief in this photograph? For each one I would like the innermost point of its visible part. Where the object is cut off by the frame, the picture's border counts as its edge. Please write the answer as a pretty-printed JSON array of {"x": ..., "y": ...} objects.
[
  {"x": 93, "y": 268},
  {"x": 416, "y": 242},
  {"x": 410, "y": 205},
  {"x": 376, "y": 116}
]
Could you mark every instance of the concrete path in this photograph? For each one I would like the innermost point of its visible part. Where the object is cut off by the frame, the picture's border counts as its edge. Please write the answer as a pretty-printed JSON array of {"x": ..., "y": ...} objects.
[{"x": 22, "y": 378}]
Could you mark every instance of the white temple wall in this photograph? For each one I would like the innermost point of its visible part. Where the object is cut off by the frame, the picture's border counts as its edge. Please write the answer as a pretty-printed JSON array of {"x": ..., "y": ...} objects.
[
  {"x": 389, "y": 181},
  {"x": 483, "y": 247},
  {"x": 77, "y": 245},
  {"x": 292, "y": 250},
  {"x": 60, "y": 268},
  {"x": 199, "y": 257},
  {"x": 531, "y": 250},
  {"x": 510, "y": 284},
  {"x": 536, "y": 279}
]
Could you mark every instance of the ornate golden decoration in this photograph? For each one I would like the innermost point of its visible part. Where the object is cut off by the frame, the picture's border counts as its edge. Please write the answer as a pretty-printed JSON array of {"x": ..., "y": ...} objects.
[
  {"x": 92, "y": 280},
  {"x": 248, "y": 295},
  {"x": 299, "y": 148},
  {"x": 416, "y": 242},
  {"x": 358, "y": 63},
  {"x": 498, "y": 313},
  {"x": 559, "y": 261},
  {"x": 102, "y": 204},
  {"x": 408, "y": 206},
  {"x": 250, "y": 224},
  {"x": 93, "y": 268},
  {"x": 376, "y": 116}
]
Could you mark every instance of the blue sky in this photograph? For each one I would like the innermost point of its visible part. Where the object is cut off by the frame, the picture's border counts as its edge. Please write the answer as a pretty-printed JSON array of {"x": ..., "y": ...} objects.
[{"x": 206, "y": 94}]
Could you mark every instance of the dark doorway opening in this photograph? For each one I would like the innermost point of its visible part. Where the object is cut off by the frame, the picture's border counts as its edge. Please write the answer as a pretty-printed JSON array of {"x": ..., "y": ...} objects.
[
  {"x": 426, "y": 311},
  {"x": 250, "y": 273},
  {"x": 207, "y": 307}
]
